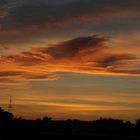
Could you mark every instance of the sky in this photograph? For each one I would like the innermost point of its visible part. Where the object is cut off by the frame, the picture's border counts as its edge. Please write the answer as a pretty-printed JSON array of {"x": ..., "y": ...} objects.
[{"x": 76, "y": 59}]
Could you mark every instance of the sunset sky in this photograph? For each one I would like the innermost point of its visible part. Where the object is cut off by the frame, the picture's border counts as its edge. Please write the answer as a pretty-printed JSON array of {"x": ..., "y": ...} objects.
[{"x": 76, "y": 59}]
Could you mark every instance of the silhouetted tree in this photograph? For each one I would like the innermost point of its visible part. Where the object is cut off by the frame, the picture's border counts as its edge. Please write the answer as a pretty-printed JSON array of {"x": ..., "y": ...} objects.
[
  {"x": 5, "y": 116},
  {"x": 138, "y": 123},
  {"x": 47, "y": 119}
]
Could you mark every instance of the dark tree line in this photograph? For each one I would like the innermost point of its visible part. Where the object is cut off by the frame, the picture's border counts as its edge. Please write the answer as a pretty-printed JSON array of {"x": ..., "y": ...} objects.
[{"x": 46, "y": 125}]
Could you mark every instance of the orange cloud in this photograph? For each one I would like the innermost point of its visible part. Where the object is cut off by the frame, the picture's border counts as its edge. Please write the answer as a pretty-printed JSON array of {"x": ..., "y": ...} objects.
[{"x": 80, "y": 55}]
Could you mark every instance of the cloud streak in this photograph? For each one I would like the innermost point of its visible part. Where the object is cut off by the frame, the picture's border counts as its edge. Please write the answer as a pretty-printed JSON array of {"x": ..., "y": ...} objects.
[{"x": 24, "y": 76}]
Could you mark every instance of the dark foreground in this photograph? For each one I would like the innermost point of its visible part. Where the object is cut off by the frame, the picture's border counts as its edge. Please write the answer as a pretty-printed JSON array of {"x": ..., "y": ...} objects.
[
  {"x": 109, "y": 129},
  {"x": 45, "y": 136},
  {"x": 46, "y": 128}
]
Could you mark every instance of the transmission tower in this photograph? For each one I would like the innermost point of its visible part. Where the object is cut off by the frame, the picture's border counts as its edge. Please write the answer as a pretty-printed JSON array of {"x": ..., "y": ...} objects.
[{"x": 10, "y": 104}]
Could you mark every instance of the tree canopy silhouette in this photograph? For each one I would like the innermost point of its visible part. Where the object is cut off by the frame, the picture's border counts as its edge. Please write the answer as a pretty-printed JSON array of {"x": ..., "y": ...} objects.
[{"x": 5, "y": 116}]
